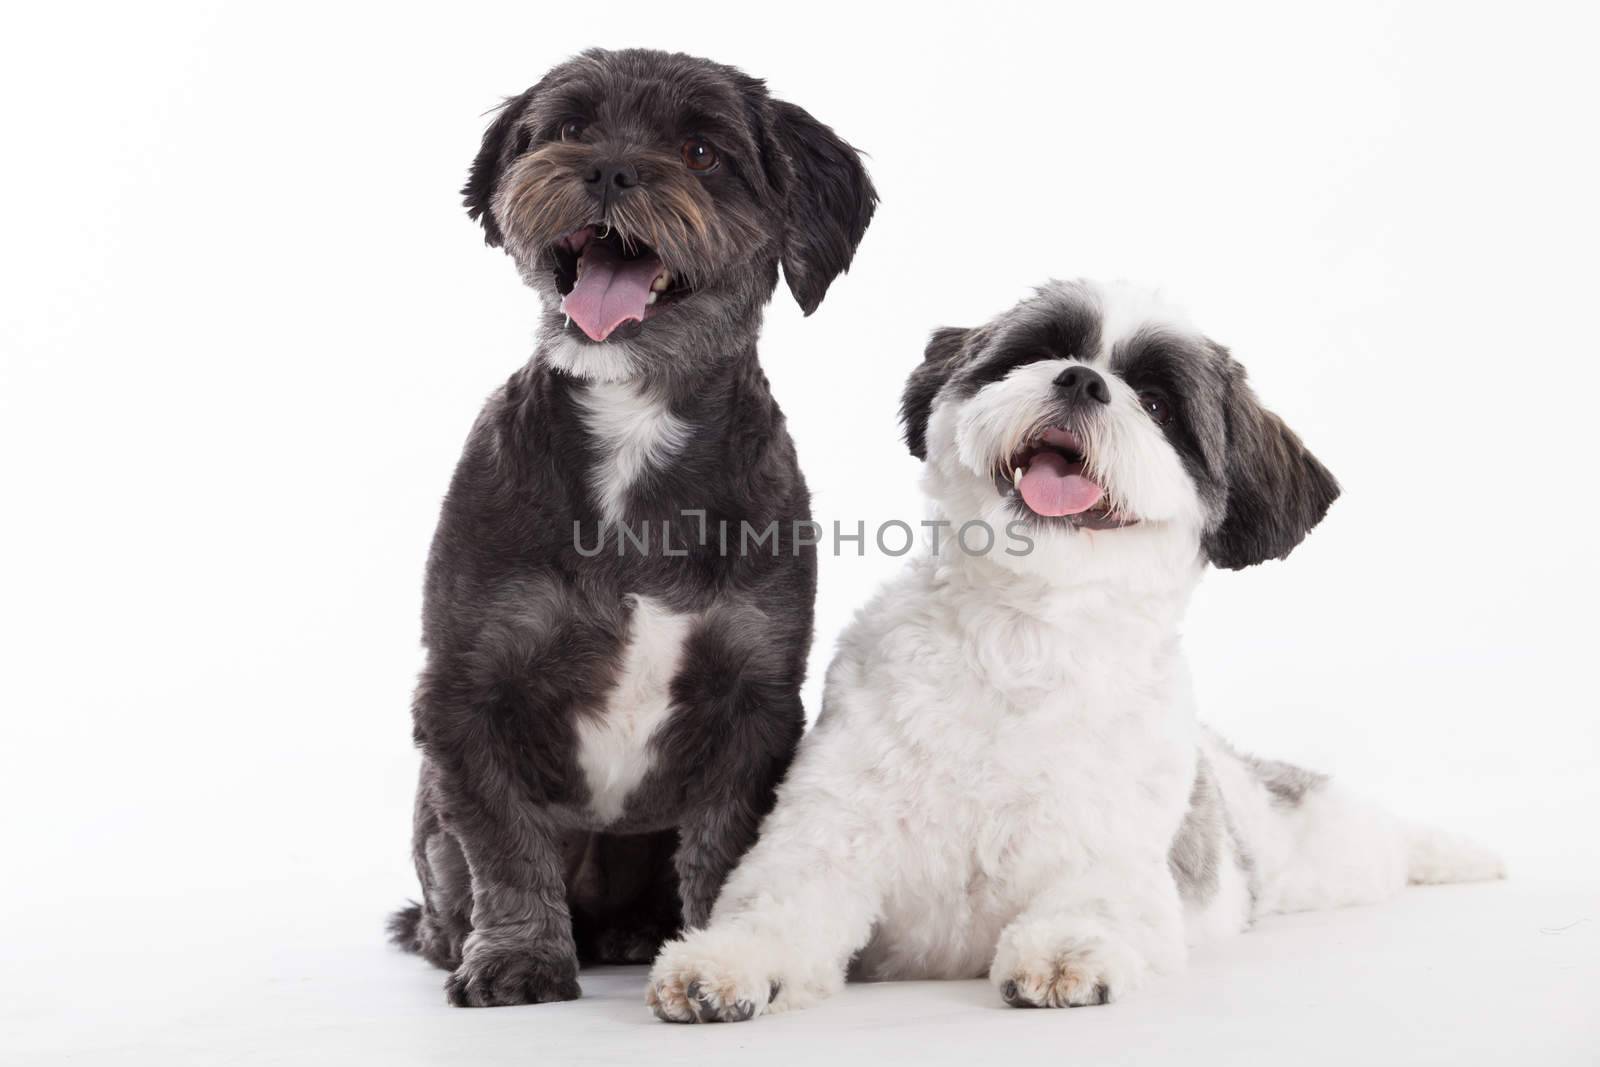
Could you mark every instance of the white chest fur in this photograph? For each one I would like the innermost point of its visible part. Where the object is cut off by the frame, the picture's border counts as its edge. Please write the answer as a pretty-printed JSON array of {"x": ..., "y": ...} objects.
[
  {"x": 614, "y": 744},
  {"x": 633, "y": 431},
  {"x": 1022, "y": 739}
]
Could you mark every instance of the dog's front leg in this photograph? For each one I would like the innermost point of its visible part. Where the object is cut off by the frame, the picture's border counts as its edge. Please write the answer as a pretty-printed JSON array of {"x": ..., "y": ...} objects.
[
  {"x": 791, "y": 917},
  {"x": 722, "y": 823},
  {"x": 712, "y": 837},
  {"x": 799, "y": 905},
  {"x": 520, "y": 950},
  {"x": 742, "y": 703},
  {"x": 1091, "y": 939}
]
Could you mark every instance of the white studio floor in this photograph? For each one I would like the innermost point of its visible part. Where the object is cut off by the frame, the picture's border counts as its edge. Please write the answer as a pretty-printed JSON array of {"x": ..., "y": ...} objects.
[{"x": 1498, "y": 973}]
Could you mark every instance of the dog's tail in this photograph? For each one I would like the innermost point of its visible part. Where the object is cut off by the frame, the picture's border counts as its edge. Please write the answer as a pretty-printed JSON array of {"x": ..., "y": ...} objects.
[
  {"x": 1439, "y": 857},
  {"x": 1333, "y": 847},
  {"x": 1311, "y": 843},
  {"x": 403, "y": 926}
]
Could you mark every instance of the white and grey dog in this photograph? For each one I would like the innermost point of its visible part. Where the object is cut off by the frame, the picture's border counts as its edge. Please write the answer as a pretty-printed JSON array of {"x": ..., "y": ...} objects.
[{"x": 1008, "y": 776}]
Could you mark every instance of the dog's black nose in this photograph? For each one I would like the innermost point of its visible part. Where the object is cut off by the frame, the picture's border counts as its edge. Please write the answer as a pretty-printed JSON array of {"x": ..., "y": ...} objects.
[
  {"x": 611, "y": 177},
  {"x": 1077, "y": 382}
]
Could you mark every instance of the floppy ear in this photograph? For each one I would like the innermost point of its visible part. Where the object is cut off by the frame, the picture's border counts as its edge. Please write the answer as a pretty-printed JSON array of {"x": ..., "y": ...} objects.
[
  {"x": 503, "y": 142},
  {"x": 916, "y": 403},
  {"x": 1277, "y": 490},
  {"x": 829, "y": 201}
]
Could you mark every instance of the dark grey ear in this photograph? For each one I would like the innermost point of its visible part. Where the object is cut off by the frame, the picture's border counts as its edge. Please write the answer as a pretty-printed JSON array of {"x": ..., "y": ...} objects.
[
  {"x": 829, "y": 199},
  {"x": 1277, "y": 490},
  {"x": 916, "y": 403},
  {"x": 503, "y": 142}
]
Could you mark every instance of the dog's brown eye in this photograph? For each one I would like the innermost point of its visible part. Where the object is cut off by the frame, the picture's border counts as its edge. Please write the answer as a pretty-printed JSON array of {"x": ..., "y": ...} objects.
[
  {"x": 1156, "y": 406},
  {"x": 698, "y": 155},
  {"x": 572, "y": 129}
]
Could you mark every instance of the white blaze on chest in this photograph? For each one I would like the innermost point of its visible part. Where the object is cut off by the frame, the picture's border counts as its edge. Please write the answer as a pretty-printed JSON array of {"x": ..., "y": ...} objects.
[
  {"x": 632, "y": 431},
  {"x": 614, "y": 743}
]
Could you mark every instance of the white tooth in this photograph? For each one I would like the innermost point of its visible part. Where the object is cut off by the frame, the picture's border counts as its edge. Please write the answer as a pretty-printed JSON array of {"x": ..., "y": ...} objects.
[
  {"x": 651, "y": 299},
  {"x": 1016, "y": 478},
  {"x": 663, "y": 280},
  {"x": 569, "y": 321}
]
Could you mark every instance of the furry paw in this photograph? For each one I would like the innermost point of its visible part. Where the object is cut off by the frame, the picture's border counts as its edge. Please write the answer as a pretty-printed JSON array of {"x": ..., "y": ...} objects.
[
  {"x": 1072, "y": 974},
  {"x": 689, "y": 984},
  {"x": 496, "y": 974},
  {"x": 439, "y": 943}
]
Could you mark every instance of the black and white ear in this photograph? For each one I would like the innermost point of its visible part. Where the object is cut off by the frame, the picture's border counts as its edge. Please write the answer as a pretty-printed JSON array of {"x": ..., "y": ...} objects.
[
  {"x": 829, "y": 200},
  {"x": 1277, "y": 490},
  {"x": 916, "y": 403},
  {"x": 503, "y": 142}
]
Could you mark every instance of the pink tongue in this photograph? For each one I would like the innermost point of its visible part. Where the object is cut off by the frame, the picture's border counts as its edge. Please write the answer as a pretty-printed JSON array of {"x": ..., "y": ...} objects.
[
  {"x": 1052, "y": 486},
  {"x": 610, "y": 290}
]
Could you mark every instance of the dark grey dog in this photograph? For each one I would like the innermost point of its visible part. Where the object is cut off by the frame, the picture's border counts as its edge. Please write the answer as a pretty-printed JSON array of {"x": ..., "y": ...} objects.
[{"x": 612, "y": 685}]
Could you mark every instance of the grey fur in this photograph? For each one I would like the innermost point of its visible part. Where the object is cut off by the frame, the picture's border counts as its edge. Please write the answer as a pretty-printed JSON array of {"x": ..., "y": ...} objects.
[
  {"x": 1287, "y": 783},
  {"x": 1198, "y": 849},
  {"x": 525, "y": 635},
  {"x": 1209, "y": 837}
]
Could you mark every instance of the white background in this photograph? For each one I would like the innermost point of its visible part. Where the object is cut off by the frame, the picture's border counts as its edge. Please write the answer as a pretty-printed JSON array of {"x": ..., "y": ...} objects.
[{"x": 246, "y": 326}]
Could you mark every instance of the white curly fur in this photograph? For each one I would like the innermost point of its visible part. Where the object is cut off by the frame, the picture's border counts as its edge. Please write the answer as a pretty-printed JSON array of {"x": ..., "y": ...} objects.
[{"x": 1005, "y": 754}]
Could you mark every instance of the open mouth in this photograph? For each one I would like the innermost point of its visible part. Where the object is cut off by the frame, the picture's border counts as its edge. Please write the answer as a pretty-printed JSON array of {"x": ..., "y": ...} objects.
[
  {"x": 1048, "y": 476},
  {"x": 606, "y": 280}
]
